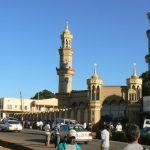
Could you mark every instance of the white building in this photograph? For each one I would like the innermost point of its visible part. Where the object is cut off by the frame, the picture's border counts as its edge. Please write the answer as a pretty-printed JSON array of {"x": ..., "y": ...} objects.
[{"x": 9, "y": 106}]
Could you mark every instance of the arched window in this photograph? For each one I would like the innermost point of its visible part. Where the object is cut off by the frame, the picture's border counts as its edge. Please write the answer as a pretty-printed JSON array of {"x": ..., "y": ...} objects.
[
  {"x": 66, "y": 43},
  {"x": 130, "y": 98},
  {"x": 98, "y": 93},
  {"x": 93, "y": 93},
  {"x": 133, "y": 87}
]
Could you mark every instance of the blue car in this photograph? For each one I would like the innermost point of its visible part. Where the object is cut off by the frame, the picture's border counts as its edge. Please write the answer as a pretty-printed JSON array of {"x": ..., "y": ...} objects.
[{"x": 145, "y": 131}]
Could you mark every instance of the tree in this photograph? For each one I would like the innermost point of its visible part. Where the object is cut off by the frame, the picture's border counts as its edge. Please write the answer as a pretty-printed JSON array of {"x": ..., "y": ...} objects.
[
  {"x": 45, "y": 94},
  {"x": 146, "y": 83}
]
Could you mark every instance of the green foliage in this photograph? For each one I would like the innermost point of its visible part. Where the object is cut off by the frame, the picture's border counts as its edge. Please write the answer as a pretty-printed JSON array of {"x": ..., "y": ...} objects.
[
  {"x": 146, "y": 83},
  {"x": 45, "y": 94}
]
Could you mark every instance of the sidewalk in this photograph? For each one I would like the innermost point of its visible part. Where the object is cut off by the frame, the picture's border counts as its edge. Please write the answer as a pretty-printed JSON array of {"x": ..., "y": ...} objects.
[{"x": 22, "y": 144}]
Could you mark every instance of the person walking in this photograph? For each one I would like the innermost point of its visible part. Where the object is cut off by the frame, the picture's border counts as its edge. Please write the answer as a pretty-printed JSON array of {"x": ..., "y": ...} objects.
[
  {"x": 105, "y": 138},
  {"x": 70, "y": 144},
  {"x": 119, "y": 127},
  {"x": 132, "y": 132},
  {"x": 84, "y": 125},
  {"x": 47, "y": 134},
  {"x": 57, "y": 136}
]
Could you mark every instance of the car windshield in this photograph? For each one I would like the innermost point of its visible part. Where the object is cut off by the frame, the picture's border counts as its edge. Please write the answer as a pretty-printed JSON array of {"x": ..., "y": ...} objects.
[
  {"x": 78, "y": 128},
  {"x": 13, "y": 122},
  {"x": 147, "y": 122}
]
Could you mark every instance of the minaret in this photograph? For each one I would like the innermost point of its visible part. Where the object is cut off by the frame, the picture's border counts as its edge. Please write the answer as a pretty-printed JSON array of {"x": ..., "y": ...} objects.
[
  {"x": 147, "y": 57},
  {"x": 65, "y": 70},
  {"x": 94, "y": 85},
  {"x": 134, "y": 86}
]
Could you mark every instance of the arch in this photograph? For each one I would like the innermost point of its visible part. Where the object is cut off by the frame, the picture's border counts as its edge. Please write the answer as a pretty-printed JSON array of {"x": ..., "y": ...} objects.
[
  {"x": 133, "y": 87},
  {"x": 78, "y": 115},
  {"x": 98, "y": 93},
  {"x": 74, "y": 104},
  {"x": 66, "y": 114},
  {"x": 82, "y": 105},
  {"x": 93, "y": 92},
  {"x": 72, "y": 113},
  {"x": 66, "y": 43},
  {"x": 114, "y": 108},
  {"x": 86, "y": 115}
]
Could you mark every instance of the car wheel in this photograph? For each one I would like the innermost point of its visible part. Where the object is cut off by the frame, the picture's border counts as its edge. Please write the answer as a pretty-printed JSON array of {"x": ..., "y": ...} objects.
[{"x": 86, "y": 142}]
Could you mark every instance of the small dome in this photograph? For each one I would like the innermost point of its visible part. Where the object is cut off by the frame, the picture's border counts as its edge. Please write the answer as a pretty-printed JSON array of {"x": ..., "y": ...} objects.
[
  {"x": 134, "y": 76},
  {"x": 67, "y": 32}
]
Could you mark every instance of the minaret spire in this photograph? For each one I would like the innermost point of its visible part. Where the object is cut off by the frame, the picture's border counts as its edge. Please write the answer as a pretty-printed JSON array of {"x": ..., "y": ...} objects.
[
  {"x": 95, "y": 68},
  {"x": 67, "y": 23},
  {"x": 134, "y": 69}
]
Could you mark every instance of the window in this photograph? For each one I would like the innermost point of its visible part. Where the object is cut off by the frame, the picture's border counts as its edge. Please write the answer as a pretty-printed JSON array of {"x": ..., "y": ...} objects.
[{"x": 9, "y": 106}]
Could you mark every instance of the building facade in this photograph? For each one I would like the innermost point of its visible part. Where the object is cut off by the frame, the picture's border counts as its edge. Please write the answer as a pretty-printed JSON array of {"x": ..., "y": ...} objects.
[
  {"x": 97, "y": 101},
  {"x": 15, "y": 106}
]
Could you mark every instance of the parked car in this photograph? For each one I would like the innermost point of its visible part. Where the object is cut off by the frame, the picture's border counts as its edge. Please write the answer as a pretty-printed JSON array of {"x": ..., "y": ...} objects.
[
  {"x": 82, "y": 135},
  {"x": 145, "y": 131},
  {"x": 59, "y": 121},
  {"x": 146, "y": 123},
  {"x": 11, "y": 125}
]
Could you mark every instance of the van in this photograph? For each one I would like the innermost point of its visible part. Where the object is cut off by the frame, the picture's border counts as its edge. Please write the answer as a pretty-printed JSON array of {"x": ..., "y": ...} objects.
[
  {"x": 146, "y": 123},
  {"x": 63, "y": 121}
]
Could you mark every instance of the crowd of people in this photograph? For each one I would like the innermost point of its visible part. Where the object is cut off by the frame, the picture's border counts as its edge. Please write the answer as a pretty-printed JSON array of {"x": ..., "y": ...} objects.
[{"x": 132, "y": 132}]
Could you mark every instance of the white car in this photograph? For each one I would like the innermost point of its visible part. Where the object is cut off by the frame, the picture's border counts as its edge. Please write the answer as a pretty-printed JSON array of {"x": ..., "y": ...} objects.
[
  {"x": 82, "y": 135},
  {"x": 60, "y": 121},
  {"x": 146, "y": 123},
  {"x": 11, "y": 125}
]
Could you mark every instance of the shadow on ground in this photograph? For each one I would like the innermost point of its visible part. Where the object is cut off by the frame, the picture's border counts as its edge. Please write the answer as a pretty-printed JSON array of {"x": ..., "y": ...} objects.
[{"x": 13, "y": 146}]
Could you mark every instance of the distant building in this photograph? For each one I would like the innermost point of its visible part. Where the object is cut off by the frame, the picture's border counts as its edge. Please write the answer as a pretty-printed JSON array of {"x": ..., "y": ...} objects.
[{"x": 11, "y": 106}]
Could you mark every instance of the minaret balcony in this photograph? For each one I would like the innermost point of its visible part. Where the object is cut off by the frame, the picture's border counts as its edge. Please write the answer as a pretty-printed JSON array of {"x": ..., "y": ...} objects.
[
  {"x": 148, "y": 33},
  {"x": 147, "y": 58},
  {"x": 63, "y": 51},
  {"x": 63, "y": 71}
]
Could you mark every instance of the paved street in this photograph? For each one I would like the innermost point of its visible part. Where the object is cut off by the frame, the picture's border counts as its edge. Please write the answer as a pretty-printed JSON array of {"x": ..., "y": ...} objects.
[{"x": 34, "y": 139}]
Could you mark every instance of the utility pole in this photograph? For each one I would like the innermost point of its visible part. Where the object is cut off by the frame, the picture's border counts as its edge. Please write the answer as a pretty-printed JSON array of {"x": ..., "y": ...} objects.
[{"x": 21, "y": 100}]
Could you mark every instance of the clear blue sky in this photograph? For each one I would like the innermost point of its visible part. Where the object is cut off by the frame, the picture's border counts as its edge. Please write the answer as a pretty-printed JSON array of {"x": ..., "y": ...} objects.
[{"x": 110, "y": 33}]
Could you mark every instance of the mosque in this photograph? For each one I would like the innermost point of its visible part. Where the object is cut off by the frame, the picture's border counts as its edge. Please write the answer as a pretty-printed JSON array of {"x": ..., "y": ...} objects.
[{"x": 97, "y": 101}]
